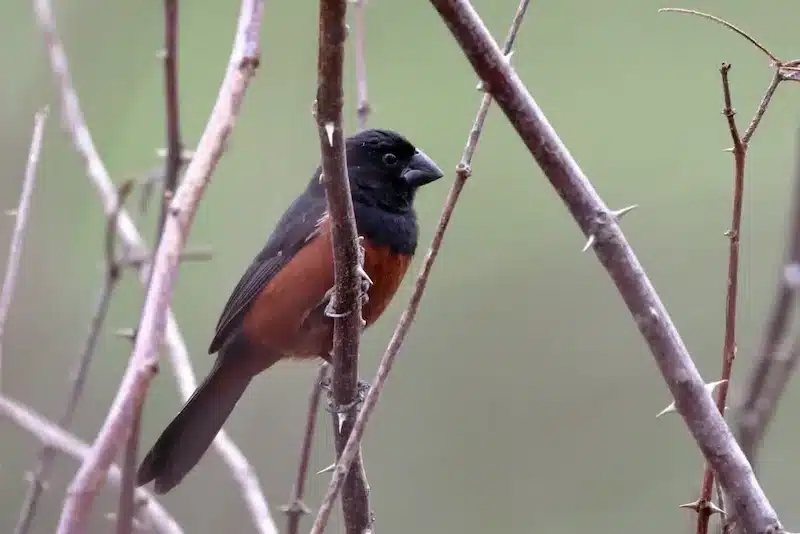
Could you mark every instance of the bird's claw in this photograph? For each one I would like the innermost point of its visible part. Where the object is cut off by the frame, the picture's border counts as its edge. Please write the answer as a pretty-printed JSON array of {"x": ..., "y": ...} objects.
[
  {"x": 361, "y": 394},
  {"x": 366, "y": 284}
]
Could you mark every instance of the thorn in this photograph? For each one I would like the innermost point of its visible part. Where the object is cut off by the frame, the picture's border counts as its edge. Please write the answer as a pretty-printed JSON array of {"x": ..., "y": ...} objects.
[
  {"x": 715, "y": 509},
  {"x": 508, "y": 57},
  {"x": 296, "y": 508},
  {"x": 699, "y": 504},
  {"x": 620, "y": 213},
  {"x": 342, "y": 417},
  {"x": 126, "y": 333},
  {"x": 161, "y": 54},
  {"x": 363, "y": 274},
  {"x": 710, "y": 387},
  {"x": 695, "y": 505},
  {"x": 729, "y": 149},
  {"x": 589, "y": 243},
  {"x": 329, "y": 128},
  {"x": 617, "y": 215},
  {"x": 11, "y": 212},
  {"x": 327, "y": 469},
  {"x": 728, "y": 233}
]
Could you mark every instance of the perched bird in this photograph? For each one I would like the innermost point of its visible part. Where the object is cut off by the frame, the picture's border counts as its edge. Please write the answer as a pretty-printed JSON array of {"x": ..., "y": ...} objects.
[{"x": 278, "y": 308}]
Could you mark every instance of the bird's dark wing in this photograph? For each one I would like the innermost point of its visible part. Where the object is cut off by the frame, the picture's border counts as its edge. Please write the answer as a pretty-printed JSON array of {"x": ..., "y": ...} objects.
[{"x": 294, "y": 229}]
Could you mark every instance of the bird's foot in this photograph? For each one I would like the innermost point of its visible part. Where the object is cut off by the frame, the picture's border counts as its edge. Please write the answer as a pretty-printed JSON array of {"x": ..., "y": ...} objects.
[
  {"x": 361, "y": 394},
  {"x": 366, "y": 283}
]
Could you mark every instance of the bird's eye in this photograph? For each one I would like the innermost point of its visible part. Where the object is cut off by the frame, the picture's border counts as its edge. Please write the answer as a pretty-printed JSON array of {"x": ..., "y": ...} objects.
[{"x": 390, "y": 159}]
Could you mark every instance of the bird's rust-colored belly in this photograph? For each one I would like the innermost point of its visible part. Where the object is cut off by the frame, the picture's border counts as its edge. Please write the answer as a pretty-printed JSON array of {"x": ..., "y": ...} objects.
[{"x": 289, "y": 317}]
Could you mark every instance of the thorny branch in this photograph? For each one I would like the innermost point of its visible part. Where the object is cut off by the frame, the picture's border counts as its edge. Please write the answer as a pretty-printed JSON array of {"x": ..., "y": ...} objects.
[
  {"x": 704, "y": 504},
  {"x": 52, "y": 436},
  {"x": 463, "y": 172},
  {"x": 346, "y": 301},
  {"x": 47, "y": 455},
  {"x": 144, "y": 359},
  {"x": 20, "y": 215},
  {"x": 693, "y": 402}
]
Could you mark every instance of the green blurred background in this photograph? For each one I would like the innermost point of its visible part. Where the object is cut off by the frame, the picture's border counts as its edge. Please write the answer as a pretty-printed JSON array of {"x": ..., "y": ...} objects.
[{"x": 524, "y": 398}]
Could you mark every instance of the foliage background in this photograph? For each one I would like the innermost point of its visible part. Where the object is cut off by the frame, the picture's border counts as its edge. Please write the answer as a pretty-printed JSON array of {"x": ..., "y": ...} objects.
[{"x": 524, "y": 399}]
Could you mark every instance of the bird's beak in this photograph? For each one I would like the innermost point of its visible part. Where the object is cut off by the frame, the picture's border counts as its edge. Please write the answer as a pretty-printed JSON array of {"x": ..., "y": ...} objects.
[{"x": 421, "y": 170}]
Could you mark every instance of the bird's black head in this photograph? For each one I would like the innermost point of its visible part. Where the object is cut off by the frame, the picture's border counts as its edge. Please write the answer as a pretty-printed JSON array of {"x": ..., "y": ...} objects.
[{"x": 386, "y": 170}]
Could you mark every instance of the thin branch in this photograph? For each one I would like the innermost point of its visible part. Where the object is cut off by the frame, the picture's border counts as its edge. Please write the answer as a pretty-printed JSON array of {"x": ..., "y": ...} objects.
[
  {"x": 21, "y": 220},
  {"x": 129, "y": 236},
  {"x": 727, "y": 24},
  {"x": 706, "y": 505},
  {"x": 172, "y": 167},
  {"x": 126, "y": 510},
  {"x": 52, "y": 436},
  {"x": 296, "y": 507},
  {"x": 359, "y": 49},
  {"x": 762, "y": 107},
  {"x": 143, "y": 363},
  {"x": 47, "y": 455},
  {"x": 773, "y": 368},
  {"x": 174, "y": 144},
  {"x": 463, "y": 172},
  {"x": 694, "y": 403},
  {"x": 346, "y": 301}
]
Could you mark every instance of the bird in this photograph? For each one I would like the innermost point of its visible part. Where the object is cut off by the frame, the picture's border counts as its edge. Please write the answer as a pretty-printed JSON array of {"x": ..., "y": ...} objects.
[{"x": 280, "y": 308}]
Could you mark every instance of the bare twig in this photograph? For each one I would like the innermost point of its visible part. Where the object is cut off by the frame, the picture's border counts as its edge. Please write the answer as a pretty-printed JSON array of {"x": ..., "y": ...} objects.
[
  {"x": 296, "y": 507},
  {"x": 773, "y": 368},
  {"x": 173, "y": 161},
  {"x": 21, "y": 219},
  {"x": 129, "y": 236},
  {"x": 143, "y": 363},
  {"x": 52, "y": 436},
  {"x": 126, "y": 510},
  {"x": 463, "y": 172},
  {"x": 695, "y": 405},
  {"x": 172, "y": 167},
  {"x": 762, "y": 107},
  {"x": 346, "y": 303},
  {"x": 725, "y": 23},
  {"x": 706, "y": 507},
  {"x": 48, "y": 454},
  {"x": 359, "y": 49}
]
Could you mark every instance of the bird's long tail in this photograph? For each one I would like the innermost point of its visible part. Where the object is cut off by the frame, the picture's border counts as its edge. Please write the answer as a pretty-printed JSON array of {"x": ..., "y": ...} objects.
[{"x": 189, "y": 435}]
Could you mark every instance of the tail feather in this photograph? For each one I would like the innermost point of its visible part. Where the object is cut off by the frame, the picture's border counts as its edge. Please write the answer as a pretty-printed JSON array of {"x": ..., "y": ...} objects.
[{"x": 189, "y": 435}]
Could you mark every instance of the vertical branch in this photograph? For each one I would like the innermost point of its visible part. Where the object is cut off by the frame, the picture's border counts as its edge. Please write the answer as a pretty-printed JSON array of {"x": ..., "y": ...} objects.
[
  {"x": 705, "y": 506},
  {"x": 21, "y": 219},
  {"x": 143, "y": 362},
  {"x": 126, "y": 509},
  {"x": 359, "y": 49},
  {"x": 296, "y": 507},
  {"x": 346, "y": 301},
  {"x": 172, "y": 104},
  {"x": 592, "y": 215},
  {"x": 47, "y": 454},
  {"x": 463, "y": 172}
]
